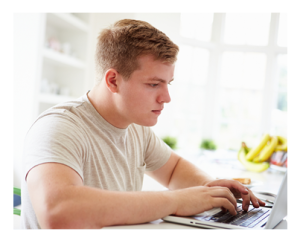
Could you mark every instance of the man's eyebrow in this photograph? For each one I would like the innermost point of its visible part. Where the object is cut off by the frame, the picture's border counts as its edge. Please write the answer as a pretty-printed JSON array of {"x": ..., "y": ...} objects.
[{"x": 159, "y": 79}]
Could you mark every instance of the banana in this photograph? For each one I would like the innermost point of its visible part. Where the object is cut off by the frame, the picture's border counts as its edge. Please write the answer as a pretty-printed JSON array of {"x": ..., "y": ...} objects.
[
  {"x": 267, "y": 151},
  {"x": 251, "y": 166},
  {"x": 255, "y": 150},
  {"x": 245, "y": 147},
  {"x": 282, "y": 144}
]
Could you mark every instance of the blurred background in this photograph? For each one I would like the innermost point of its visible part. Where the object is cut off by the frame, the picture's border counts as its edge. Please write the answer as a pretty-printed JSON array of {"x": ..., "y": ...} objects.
[{"x": 230, "y": 78}]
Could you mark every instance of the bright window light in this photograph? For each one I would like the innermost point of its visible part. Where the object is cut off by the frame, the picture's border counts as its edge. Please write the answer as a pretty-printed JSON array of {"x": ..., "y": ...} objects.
[
  {"x": 282, "y": 71},
  {"x": 186, "y": 109},
  {"x": 219, "y": 89},
  {"x": 282, "y": 31},
  {"x": 247, "y": 29},
  {"x": 282, "y": 82},
  {"x": 243, "y": 70},
  {"x": 279, "y": 114},
  {"x": 231, "y": 135},
  {"x": 242, "y": 105},
  {"x": 187, "y": 100},
  {"x": 192, "y": 65},
  {"x": 196, "y": 25}
]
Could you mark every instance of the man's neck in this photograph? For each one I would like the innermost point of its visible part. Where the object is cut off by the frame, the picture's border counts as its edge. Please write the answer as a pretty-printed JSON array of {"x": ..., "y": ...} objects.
[{"x": 104, "y": 104}]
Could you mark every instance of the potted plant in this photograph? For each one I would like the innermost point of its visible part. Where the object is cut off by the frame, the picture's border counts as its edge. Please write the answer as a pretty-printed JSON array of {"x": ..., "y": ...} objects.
[
  {"x": 208, "y": 144},
  {"x": 170, "y": 141}
]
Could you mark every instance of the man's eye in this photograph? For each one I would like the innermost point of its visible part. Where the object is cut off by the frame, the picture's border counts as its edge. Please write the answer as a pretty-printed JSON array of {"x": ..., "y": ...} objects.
[{"x": 153, "y": 85}]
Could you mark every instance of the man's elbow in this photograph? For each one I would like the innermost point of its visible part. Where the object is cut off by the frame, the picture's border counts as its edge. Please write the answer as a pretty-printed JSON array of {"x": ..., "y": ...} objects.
[
  {"x": 54, "y": 218},
  {"x": 63, "y": 217},
  {"x": 48, "y": 219}
]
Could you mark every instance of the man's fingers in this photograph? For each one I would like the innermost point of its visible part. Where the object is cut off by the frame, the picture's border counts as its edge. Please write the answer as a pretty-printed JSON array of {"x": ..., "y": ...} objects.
[
  {"x": 231, "y": 184},
  {"x": 240, "y": 187},
  {"x": 256, "y": 201},
  {"x": 261, "y": 203},
  {"x": 246, "y": 202},
  {"x": 251, "y": 197},
  {"x": 223, "y": 192},
  {"x": 224, "y": 203}
]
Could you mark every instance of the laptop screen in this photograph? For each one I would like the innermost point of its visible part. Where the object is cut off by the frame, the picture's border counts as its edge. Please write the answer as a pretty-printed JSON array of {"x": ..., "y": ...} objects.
[{"x": 279, "y": 210}]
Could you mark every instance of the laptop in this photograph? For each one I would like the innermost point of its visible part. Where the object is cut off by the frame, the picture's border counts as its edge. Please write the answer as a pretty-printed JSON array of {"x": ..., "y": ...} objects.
[{"x": 254, "y": 218}]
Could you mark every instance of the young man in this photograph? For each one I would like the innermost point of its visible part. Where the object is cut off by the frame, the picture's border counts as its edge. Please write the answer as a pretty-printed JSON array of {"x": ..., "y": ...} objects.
[{"x": 85, "y": 159}]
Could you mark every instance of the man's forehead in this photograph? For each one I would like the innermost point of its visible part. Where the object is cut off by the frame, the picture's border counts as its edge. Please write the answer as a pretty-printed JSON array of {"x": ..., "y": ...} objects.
[{"x": 145, "y": 59}]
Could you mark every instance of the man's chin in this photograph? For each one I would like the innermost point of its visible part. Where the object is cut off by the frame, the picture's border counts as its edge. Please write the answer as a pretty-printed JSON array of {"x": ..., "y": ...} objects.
[{"x": 147, "y": 123}]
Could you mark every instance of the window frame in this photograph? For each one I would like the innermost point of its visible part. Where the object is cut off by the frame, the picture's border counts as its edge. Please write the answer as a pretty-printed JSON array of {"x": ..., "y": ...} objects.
[{"x": 211, "y": 120}]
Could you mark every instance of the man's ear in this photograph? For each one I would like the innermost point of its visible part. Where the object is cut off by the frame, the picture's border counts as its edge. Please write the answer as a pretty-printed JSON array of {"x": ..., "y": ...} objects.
[{"x": 112, "y": 80}]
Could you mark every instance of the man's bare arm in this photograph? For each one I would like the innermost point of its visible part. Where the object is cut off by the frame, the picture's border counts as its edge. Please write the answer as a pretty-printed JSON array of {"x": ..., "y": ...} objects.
[
  {"x": 60, "y": 200},
  {"x": 179, "y": 173}
]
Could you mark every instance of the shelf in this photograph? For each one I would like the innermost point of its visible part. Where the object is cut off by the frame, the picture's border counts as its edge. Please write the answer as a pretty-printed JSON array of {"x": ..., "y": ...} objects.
[
  {"x": 54, "y": 99},
  {"x": 59, "y": 67},
  {"x": 62, "y": 59},
  {"x": 67, "y": 21}
]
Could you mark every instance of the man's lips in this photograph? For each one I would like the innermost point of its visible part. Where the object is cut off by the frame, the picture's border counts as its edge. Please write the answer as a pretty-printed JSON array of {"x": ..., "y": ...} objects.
[{"x": 157, "y": 112}]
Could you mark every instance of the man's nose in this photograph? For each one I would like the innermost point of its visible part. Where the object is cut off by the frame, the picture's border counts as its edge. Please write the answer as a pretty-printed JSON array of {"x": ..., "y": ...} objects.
[{"x": 164, "y": 97}]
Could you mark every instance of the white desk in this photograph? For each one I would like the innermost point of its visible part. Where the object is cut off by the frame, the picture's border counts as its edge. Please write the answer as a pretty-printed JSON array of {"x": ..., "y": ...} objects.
[
  {"x": 268, "y": 181},
  {"x": 160, "y": 224}
]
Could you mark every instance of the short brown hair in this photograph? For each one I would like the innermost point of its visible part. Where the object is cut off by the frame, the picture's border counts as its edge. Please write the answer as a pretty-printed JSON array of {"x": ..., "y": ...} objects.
[{"x": 120, "y": 45}]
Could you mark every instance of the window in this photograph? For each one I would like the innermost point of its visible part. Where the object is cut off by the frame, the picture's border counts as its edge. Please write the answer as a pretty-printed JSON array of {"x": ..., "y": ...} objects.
[
  {"x": 203, "y": 23},
  {"x": 247, "y": 29},
  {"x": 279, "y": 112},
  {"x": 193, "y": 65},
  {"x": 230, "y": 79},
  {"x": 282, "y": 82},
  {"x": 282, "y": 31},
  {"x": 188, "y": 96},
  {"x": 243, "y": 70}
]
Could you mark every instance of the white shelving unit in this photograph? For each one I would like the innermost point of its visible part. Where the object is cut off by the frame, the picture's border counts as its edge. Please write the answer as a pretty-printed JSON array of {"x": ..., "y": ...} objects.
[
  {"x": 62, "y": 60},
  {"x": 64, "y": 57},
  {"x": 68, "y": 21}
]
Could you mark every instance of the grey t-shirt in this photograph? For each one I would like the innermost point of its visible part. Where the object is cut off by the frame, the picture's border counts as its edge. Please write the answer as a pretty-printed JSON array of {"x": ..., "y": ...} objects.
[{"x": 106, "y": 157}]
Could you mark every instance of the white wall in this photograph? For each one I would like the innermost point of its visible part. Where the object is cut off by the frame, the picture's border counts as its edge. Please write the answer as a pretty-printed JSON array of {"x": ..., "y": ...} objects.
[{"x": 29, "y": 29}]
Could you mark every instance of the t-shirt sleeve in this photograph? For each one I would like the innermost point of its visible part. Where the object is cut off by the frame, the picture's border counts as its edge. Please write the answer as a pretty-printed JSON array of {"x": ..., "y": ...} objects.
[
  {"x": 157, "y": 152},
  {"x": 54, "y": 138}
]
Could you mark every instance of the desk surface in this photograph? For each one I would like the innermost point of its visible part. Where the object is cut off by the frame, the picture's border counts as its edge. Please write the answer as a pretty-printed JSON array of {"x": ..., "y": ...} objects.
[
  {"x": 160, "y": 224},
  {"x": 229, "y": 167}
]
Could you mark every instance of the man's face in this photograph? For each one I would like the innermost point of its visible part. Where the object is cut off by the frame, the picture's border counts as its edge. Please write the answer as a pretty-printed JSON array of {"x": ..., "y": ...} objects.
[{"x": 141, "y": 98}]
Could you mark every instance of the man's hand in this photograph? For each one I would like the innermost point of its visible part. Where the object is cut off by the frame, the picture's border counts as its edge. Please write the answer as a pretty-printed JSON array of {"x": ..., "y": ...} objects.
[
  {"x": 239, "y": 191},
  {"x": 194, "y": 200}
]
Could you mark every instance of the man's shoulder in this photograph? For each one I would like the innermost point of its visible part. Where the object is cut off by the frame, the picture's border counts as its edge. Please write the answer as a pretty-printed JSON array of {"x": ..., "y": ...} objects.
[
  {"x": 66, "y": 106},
  {"x": 66, "y": 113}
]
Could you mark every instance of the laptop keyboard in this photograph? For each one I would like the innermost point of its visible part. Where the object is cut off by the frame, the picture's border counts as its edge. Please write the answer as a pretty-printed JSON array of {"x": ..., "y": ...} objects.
[{"x": 245, "y": 219}]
